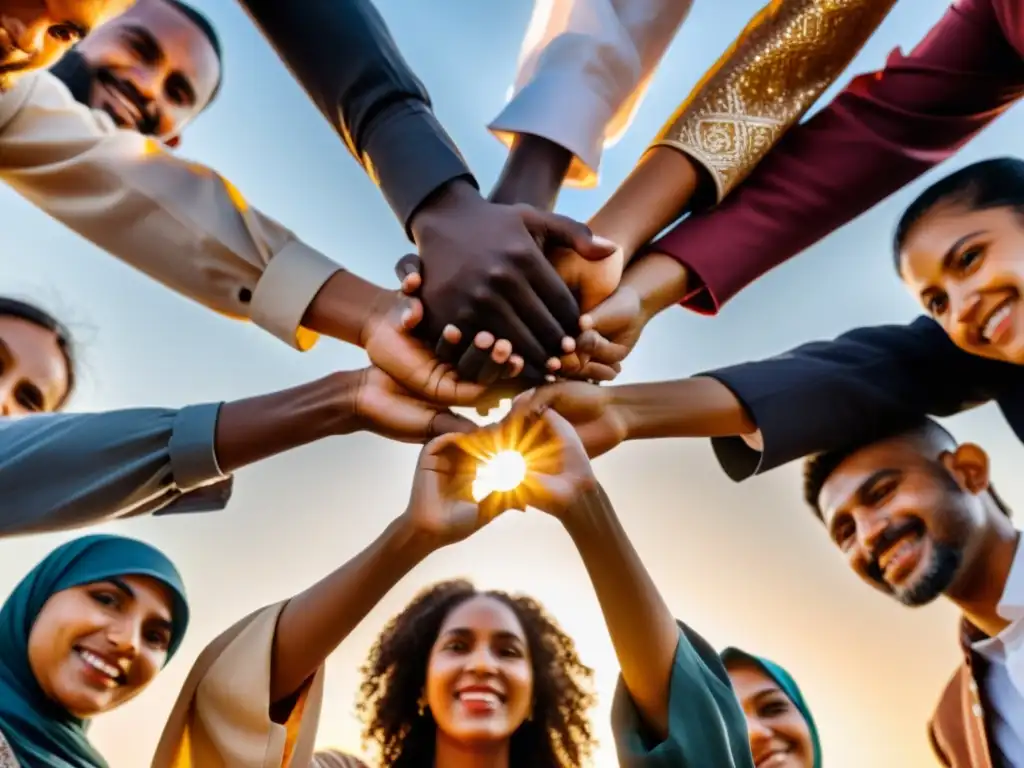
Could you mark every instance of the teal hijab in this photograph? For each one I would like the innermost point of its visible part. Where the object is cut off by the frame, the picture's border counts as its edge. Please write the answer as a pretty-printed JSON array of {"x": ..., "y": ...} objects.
[
  {"x": 788, "y": 685},
  {"x": 41, "y": 733}
]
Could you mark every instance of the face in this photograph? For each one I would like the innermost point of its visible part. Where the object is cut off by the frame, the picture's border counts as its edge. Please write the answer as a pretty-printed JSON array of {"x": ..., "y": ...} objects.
[
  {"x": 779, "y": 735},
  {"x": 33, "y": 371},
  {"x": 153, "y": 69},
  {"x": 966, "y": 268},
  {"x": 34, "y": 34},
  {"x": 908, "y": 525},
  {"x": 479, "y": 680},
  {"x": 94, "y": 647}
]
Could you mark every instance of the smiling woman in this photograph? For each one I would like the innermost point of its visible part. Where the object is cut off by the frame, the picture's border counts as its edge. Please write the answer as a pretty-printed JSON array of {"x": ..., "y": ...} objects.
[
  {"x": 37, "y": 364},
  {"x": 85, "y": 631}
]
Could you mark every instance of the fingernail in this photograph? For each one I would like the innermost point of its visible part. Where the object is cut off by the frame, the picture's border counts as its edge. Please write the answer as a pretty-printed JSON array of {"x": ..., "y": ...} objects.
[
  {"x": 554, "y": 364},
  {"x": 568, "y": 345},
  {"x": 586, "y": 322},
  {"x": 604, "y": 242}
]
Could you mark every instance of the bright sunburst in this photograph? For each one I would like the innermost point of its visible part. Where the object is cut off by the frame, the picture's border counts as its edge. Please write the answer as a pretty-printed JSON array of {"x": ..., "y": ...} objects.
[{"x": 502, "y": 473}]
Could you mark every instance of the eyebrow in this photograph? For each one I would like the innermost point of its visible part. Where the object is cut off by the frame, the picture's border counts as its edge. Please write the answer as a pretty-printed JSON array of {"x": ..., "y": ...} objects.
[
  {"x": 123, "y": 587},
  {"x": 875, "y": 478},
  {"x": 151, "y": 40},
  {"x": 767, "y": 692},
  {"x": 504, "y": 634},
  {"x": 952, "y": 251}
]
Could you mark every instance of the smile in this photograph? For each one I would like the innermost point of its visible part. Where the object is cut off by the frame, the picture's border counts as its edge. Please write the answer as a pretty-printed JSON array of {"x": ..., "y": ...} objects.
[
  {"x": 773, "y": 759},
  {"x": 112, "y": 672},
  {"x": 997, "y": 322},
  {"x": 899, "y": 558},
  {"x": 480, "y": 700}
]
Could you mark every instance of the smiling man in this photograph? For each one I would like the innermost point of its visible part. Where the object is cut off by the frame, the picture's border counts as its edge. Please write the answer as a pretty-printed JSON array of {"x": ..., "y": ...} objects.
[
  {"x": 154, "y": 69},
  {"x": 916, "y": 517}
]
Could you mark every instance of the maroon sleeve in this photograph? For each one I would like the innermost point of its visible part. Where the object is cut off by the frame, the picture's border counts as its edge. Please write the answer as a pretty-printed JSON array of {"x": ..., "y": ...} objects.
[{"x": 880, "y": 133}]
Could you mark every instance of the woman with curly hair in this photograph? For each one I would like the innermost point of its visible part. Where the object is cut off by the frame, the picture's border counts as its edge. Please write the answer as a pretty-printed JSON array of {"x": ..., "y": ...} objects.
[{"x": 465, "y": 672}]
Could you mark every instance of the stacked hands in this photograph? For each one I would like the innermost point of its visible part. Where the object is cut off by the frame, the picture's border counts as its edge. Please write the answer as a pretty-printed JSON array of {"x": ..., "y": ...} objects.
[{"x": 470, "y": 332}]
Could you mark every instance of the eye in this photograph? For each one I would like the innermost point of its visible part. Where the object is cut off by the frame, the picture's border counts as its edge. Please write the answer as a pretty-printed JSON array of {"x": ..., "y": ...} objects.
[
  {"x": 456, "y": 646},
  {"x": 159, "y": 639},
  {"x": 879, "y": 492},
  {"x": 510, "y": 652},
  {"x": 774, "y": 708},
  {"x": 108, "y": 599},
  {"x": 29, "y": 397},
  {"x": 842, "y": 532},
  {"x": 970, "y": 258},
  {"x": 936, "y": 304},
  {"x": 66, "y": 33}
]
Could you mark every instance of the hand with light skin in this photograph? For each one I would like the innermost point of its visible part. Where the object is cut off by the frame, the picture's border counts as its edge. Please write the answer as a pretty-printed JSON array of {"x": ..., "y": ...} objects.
[{"x": 591, "y": 410}]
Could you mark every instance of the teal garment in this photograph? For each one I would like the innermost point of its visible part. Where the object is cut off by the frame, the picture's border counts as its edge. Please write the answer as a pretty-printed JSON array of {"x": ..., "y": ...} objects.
[
  {"x": 707, "y": 727},
  {"x": 41, "y": 733},
  {"x": 788, "y": 685}
]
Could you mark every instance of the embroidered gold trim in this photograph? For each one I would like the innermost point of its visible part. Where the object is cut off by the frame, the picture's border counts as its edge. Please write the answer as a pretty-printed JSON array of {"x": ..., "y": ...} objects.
[{"x": 777, "y": 68}]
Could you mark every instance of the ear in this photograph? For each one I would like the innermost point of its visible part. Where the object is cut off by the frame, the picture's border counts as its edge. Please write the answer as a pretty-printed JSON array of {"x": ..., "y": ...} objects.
[
  {"x": 969, "y": 465},
  {"x": 174, "y": 142}
]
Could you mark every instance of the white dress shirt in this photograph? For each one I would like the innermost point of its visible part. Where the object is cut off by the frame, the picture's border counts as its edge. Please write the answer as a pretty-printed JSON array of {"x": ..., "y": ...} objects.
[
  {"x": 176, "y": 221},
  {"x": 1004, "y": 682},
  {"x": 583, "y": 70}
]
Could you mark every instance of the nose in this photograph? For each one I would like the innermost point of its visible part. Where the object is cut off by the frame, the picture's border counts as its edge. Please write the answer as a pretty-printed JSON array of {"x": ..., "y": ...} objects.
[
  {"x": 870, "y": 528},
  {"x": 124, "y": 637},
  {"x": 29, "y": 37},
  {"x": 965, "y": 308},
  {"x": 481, "y": 661},
  {"x": 759, "y": 735},
  {"x": 148, "y": 81}
]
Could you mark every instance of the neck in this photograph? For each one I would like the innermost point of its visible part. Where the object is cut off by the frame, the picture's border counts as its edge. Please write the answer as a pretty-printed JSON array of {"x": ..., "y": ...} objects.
[
  {"x": 449, "y": 753},
  {"x": 978, "y": 591}
]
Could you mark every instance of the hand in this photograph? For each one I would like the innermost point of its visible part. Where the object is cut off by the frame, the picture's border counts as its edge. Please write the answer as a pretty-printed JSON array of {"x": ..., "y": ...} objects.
[
  {"x": 441, "y": 508},
  {"x": 591, "y": 280},
  {"x": 610, "y": 331},
  {"x": 589, "y": 408},
  {"x": 393, "y": 349},
  {"x": 557, "y": 468},
  {"x": 484, "y": 269},
  {"x": 383, "y": 406}
]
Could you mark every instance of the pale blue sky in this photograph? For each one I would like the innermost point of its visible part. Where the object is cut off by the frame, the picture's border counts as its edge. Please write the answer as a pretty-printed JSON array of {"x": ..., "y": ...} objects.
[{"x": 746, "y": 565}]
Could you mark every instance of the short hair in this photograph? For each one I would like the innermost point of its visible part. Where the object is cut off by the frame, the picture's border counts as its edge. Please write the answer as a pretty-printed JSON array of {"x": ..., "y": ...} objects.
[
  {"x": 994, "y": 183},
  {"x": 927, "y": 433},
  {"x": 30, "y": 313},
  {"x": 206, "y": 27}
]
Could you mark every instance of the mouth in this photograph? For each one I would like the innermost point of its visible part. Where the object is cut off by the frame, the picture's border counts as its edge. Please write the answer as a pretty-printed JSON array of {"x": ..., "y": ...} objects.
[
  {"x": 901, "y": 553},
  {"x": 123, "y": 106},
  {"x": 480, "y": 700},
  {"x": 997, "y": 324},
  {"x": 773, "y": 759},
  {"x": 109, "y": 673}
]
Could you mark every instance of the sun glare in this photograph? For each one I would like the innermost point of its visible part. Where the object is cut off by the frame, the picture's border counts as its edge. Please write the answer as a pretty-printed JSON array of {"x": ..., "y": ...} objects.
[{"x": 502, "y": 472}]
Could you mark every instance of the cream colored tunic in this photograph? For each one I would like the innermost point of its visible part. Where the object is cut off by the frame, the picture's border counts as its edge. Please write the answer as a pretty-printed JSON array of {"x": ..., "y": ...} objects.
[{"x": 222, "y": 716}]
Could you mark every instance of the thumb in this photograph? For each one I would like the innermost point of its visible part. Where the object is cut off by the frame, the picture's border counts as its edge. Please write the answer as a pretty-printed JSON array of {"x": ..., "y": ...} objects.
[
  {"x": 446, "y": 422},
  {"x": 408, "y": 265},
  {"x": 613, "y": 314},
  {"x": 554, "y": 230}
]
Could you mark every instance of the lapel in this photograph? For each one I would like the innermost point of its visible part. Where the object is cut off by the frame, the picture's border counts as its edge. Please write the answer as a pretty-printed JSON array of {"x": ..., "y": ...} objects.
[{"x": 958, "y": 727}]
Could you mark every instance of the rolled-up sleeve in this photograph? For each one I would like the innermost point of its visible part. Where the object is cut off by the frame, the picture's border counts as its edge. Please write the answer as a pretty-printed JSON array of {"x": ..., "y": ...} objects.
[
  {"x": 825, "y": 395},
  {"x": 883, "y": 131},
  {"x": 707, "y": 728},
  {"x": 68, "y": 470},
  {"x": 343, "y": 55},
  {"x": 176, "y": 221},
  {"x": 583, "y": 71}
]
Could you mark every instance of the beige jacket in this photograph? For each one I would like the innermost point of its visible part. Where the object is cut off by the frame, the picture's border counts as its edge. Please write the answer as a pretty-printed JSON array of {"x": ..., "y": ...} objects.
[{"x": 176, "y": 221}]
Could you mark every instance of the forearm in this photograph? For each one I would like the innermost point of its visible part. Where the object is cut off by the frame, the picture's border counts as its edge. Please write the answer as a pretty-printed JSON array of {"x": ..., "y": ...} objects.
[
  {"x": 344, "y": 306},
  {"x": 642, "y": 628},
  {"x": 533, "y": 173},
  {"x": 343, "y": 55},
  {"x": 315, "y": 622},
  {"x": 259, "y": 427},
  {"x": 656, "y": 193},
  {"x": 693, "y": 407}
]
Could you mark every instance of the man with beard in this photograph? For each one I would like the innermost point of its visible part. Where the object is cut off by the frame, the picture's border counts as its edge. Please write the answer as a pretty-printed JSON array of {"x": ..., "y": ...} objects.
[
  {"x": 153, "y": 69},
  {"x": 916, "y": 517}
]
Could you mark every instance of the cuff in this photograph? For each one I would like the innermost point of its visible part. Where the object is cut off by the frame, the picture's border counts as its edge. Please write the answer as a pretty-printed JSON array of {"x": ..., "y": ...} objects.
[
  {"x": 410, "y": 156},
  {"x": 287, "y": 287},
  {"x": 777, "y": 433},
  {"x": 559, "y": 110},
  {"x": 192, "y": 447}
]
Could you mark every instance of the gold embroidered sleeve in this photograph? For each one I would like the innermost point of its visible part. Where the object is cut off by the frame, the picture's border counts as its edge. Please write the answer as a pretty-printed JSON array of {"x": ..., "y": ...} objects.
[{"x": 774, "y": 72}]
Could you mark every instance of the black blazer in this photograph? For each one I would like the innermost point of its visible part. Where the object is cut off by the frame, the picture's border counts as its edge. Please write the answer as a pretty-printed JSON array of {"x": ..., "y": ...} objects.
[{"x": 827, "y": 394}]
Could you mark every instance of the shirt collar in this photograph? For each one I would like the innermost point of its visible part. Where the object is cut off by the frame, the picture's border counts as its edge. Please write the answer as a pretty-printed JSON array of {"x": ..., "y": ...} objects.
[{"x": 1011, "y": 604}]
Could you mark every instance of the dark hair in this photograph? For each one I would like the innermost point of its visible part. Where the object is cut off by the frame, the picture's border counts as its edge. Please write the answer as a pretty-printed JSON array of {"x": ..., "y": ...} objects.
[
  {"x": 30, "y": 313},
  {"x": 927, "y": 432},
  {"x": 994, "y": 183},
  {"x": 206, "y": 27},
  {"x": 558, "y": 733}
]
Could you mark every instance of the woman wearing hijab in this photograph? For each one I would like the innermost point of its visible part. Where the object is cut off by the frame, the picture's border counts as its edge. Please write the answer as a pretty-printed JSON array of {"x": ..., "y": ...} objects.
[
  {"x": 779, "y": 723},
  {"x": 85, "y": 631}
]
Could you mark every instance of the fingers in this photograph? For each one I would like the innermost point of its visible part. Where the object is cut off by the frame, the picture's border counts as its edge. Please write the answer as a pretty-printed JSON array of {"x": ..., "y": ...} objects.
[
  {"x": 446, "y": 422},
  {"x": 596, "y": 348},
  {"x": 599, "y": 372},
  {"x": 555, "y": 230},
  {"x": 408, "y": 266},
  {"x": 412, "y": 314}
]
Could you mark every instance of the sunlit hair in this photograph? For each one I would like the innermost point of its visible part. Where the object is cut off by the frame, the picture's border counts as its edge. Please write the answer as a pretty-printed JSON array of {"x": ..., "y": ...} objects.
[
  {"x": 994, "y": 183},
  {"x": 930, "y": 437},
  {"x": 30, "y": 313},
  {"x": 557, "y": 735}
]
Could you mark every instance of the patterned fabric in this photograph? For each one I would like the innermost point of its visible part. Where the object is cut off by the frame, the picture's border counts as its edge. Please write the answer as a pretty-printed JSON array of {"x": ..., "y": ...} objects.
[
  {"x": 325, "y": 758},
  {"x": 7, "y": 758},
  {"x": 778, "y": 67}
]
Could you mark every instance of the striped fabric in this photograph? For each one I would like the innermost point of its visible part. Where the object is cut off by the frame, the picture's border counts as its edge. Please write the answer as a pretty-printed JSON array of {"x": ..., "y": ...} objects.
[{"x": 332, "y": 758}]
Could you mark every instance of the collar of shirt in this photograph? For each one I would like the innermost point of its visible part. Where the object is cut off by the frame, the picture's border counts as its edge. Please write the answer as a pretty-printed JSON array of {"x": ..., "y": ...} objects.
[{"x": 1010, "y": 607}]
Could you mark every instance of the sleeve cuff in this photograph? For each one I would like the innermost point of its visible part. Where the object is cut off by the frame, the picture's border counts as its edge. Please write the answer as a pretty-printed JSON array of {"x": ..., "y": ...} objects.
[
  {"x": 288, "y": 286},
  {"x": 410, "y": 156},
  {"x": 192, "y": 447},
  {"x": 563, "y": 112}
]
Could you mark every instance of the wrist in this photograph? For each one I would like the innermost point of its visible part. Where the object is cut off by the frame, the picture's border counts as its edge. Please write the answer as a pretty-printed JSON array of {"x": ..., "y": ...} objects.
[
  {"x": 407, "y": 544},
  {"x": 588, "y": 512},
  {"x": 337, "y": 395},
  {"x": 346, "y": 306},
  {"x": 533, "y": 173},
  {"x": 447, "y": 199},
  {"x": 659, "y": 280}
]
